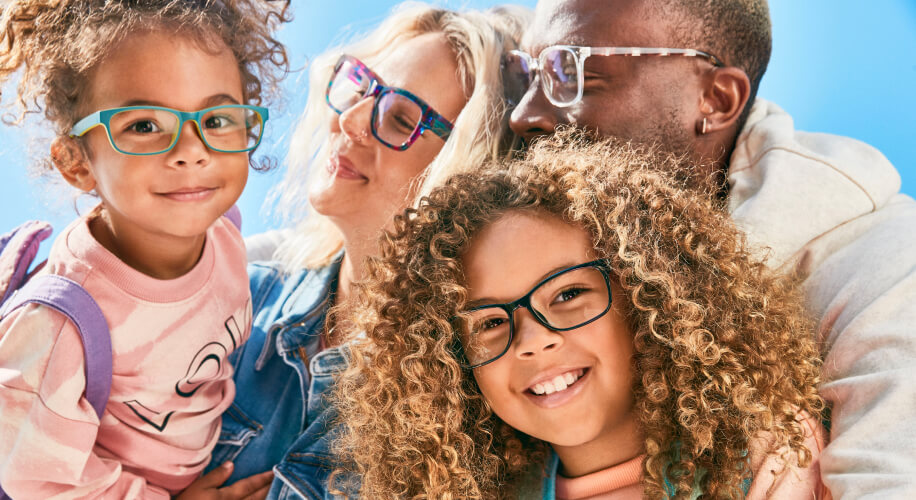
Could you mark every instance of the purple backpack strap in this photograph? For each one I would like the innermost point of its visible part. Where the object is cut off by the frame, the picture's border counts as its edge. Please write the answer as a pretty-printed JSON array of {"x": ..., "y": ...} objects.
[
  {"x": 72, "y": 300},
  {"x": 235, "y": 216},
  {"x": 17, "y": 251}
]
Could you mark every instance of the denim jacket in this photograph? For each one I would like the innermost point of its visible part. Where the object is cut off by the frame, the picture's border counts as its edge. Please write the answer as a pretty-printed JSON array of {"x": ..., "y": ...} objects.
[{"x": 280, "y": 418}]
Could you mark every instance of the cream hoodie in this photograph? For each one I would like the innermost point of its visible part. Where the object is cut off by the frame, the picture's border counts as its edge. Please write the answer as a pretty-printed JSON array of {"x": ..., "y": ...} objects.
[{"x": 830, "y": 207}]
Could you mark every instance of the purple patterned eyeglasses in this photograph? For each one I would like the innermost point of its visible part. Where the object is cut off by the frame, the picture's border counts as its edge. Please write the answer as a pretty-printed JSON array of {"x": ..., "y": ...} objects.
[
  {"x": 561, "y": 68},
  {"x": 398, "y": 117}
]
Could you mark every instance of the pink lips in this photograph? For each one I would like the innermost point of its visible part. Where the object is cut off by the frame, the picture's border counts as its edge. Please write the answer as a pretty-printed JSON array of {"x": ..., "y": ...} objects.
[
  {"x": 342, "y": 167},
  {"x": 189, "y": 194}
]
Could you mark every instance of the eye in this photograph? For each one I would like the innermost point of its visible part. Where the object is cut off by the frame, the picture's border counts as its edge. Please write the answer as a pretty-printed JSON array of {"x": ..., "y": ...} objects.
[
  {"x": 404, "y": 123},
  {"x": 218, "y": 121},
  {"x": 144, "y": 127},
  {"x": 491, "y": 323},
  {"x": 569, "y": 294}
]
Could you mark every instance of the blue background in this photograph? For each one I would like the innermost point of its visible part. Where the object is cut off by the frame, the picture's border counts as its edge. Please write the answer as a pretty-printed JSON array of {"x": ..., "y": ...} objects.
[{"x": 840, "y": 66}]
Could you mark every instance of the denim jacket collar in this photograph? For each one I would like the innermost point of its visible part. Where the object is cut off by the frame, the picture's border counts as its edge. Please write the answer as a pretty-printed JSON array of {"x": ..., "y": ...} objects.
[{"x": 305, "y": 307}]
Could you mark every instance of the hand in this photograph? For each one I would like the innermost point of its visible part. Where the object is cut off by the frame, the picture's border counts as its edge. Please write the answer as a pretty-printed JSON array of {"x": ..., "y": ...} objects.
[{"x": 208, "y": 487}]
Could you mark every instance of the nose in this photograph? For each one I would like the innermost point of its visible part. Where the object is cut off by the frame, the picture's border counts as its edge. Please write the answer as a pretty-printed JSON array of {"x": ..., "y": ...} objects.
[
  {"x": 533, "y": 338},
  {"x": 190, "y": 148},
  {"x": 354, "y": 121},
  {"x": 534, "y": 115}
]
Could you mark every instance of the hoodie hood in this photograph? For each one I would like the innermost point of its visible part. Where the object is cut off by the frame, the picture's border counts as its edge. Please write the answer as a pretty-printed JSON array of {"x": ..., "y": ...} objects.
[{"x": 787, "y": 187}]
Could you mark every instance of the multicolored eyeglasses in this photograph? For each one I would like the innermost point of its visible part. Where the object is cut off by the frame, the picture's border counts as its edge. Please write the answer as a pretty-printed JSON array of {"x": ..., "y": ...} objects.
[
  {"x": 561, "y": 68},
  {"x": 153, "y": 130},
  {"x": 398, "y": 117}
]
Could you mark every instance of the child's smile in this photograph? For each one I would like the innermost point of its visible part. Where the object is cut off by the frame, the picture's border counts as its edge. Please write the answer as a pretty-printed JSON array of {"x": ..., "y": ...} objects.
[
  {"x": 572, "y": 389},
  {"x": 554, "y": 391}
]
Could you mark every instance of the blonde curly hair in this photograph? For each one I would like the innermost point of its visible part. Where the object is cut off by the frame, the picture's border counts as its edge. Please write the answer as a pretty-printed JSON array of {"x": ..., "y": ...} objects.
[
  {"x": 723, "y": 348},
  {"x": 54, "y": 45}
]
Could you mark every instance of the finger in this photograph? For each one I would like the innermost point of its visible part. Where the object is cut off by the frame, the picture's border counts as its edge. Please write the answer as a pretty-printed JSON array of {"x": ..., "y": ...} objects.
[
  {"x": 215, "y": 477},
  {"x": 261, "y": 494},
  {"x": 244, "y": 487}
]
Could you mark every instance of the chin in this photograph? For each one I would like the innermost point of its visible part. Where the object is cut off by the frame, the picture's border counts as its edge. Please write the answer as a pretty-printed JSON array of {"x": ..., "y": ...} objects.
[{"x": 569, "y": 438}]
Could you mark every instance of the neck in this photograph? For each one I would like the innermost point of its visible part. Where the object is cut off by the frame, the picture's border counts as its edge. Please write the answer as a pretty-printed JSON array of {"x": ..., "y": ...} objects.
[
  {"x": 612, "y": 448},
  {"x": 714, "y": 151},
  {"x": 351, "y": 272},
  {"x": 162, "y": 258}
]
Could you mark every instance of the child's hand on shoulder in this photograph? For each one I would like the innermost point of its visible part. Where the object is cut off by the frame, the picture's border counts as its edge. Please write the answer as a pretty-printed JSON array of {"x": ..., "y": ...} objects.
[{"x": 210, "y": 486}]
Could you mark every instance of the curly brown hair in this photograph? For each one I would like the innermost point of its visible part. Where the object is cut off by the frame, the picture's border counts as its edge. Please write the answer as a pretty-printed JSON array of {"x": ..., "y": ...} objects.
[
  {"x": 723, "y": 349},
  {"x": 55, "y": 45}
]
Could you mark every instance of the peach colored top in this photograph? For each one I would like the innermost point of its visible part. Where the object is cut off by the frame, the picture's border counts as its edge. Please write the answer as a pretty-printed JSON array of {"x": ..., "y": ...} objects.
[{"x": 619, "y": 482}]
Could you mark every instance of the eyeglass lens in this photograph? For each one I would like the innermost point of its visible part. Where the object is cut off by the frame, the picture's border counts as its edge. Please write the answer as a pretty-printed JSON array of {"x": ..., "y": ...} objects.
[
  {"x": 559, "y": 74},
  {"x": 566, "y": 301},
  {"x": 396, "y": 117},
  {"x": 150, "y": 131}
]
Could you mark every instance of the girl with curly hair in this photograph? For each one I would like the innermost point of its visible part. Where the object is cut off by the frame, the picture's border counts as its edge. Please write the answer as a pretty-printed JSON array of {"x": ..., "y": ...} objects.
[
  {"x": 579, "y": 309},
  {"x": 155, "y": 108},
  {"x": 390, "y": 114}
]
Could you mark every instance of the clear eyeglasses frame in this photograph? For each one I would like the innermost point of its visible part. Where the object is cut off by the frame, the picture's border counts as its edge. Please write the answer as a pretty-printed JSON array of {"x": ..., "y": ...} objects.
[
  {"x": 563, "y": 66},
  {"x": 488, "y": 330}
]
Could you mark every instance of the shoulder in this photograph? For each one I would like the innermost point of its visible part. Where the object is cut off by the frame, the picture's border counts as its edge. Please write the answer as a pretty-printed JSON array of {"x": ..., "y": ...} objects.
[
  {"x": 770, "y": 148},
  {"x": 43, "y": 354}
]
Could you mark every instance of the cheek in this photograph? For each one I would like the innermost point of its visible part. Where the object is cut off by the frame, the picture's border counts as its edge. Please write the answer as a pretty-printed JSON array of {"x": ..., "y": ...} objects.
[
  {"x": 492, "y": 382},
  {"x": 404, "y": 168}
]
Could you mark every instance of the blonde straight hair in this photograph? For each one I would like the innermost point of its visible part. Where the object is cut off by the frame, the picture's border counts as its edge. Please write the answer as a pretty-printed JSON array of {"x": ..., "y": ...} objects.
[{"x": 478, "y": 40}]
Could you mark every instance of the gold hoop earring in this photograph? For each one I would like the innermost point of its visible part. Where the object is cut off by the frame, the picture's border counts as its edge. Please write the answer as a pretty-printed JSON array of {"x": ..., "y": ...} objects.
[{"x": 703, "y": 129}]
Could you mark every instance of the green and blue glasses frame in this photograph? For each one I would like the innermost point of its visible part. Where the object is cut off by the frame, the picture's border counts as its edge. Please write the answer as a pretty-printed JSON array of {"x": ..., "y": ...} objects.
[{"x": 153, "y": 130}]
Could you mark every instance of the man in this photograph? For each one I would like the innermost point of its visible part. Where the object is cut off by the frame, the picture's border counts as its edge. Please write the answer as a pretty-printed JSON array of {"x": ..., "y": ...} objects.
[{"x": 826, "y": 206}]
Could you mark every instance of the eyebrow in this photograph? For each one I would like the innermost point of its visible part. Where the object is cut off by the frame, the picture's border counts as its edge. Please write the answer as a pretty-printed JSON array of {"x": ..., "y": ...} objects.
[
  {"x": 213, "y": 100},
  {"x": 491, "y": 301}
]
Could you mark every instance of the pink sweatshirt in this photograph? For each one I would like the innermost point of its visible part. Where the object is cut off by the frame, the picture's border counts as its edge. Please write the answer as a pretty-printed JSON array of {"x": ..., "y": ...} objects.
[
  {"x": 171, "y": 379},
  {"x": 772, "y": 479}
]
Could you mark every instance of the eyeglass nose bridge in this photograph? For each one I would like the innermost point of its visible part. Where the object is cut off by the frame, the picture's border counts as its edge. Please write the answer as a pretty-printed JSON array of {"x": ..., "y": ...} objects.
[
  {"x": 526, "y": 303},
  {"x": 193, "y": 117}
]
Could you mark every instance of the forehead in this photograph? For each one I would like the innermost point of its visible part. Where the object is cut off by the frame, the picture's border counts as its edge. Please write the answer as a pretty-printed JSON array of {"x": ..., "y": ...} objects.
[
  {"x": 520, "y": 248},
  {"x": 160, "y": 68},
  {"x": 597, "y": 23}
]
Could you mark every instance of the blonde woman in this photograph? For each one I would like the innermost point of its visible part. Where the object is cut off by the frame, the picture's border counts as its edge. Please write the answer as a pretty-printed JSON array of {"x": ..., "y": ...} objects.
[{"x": 388, "y": 117}]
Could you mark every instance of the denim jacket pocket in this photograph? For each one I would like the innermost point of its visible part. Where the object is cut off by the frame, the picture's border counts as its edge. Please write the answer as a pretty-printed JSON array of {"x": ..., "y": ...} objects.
[
  {"x": 307, "y": 474},
  {"x": 237, "y": 431}
]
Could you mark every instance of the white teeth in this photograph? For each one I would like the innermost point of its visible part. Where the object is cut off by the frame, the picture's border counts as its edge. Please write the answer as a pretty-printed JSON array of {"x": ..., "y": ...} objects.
[{"x": 558, "y": 383}]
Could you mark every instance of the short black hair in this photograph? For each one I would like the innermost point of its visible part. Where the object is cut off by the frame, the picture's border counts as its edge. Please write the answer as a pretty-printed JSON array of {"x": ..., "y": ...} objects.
[{"x": 737, "y": 31}]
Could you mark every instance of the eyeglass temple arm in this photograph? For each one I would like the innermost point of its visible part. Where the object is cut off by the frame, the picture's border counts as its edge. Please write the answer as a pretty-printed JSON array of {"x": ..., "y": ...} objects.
[
  {"x": 86, "y": 124},
  {"x": 655, "y": 51},
  {"x": 440, "y": 126}
]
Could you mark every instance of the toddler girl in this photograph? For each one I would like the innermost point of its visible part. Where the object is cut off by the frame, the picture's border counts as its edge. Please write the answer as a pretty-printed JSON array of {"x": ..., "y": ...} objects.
[
  {"x": 153, "y": 105},
  {"x": 579, "y": 309}
]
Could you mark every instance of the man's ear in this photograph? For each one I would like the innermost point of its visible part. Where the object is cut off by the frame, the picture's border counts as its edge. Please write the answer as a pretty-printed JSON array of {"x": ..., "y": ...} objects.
[
  {"x": 70, "y": 160},
  {"x": 726, "y": 94}
]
